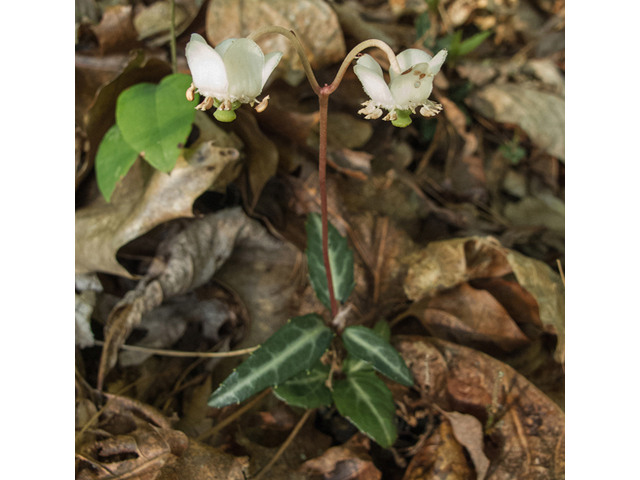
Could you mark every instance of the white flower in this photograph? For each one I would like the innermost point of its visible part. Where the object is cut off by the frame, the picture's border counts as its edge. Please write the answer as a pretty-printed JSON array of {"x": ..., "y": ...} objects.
[
  {"x": 407, "y": 91},
  {"x": 231, "y": 74}
]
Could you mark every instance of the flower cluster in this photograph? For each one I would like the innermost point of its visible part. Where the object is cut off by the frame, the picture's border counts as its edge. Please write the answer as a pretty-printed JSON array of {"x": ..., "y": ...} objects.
[
  {"x": 231, "y": 74},
  {"x": 407, "y": 91}
]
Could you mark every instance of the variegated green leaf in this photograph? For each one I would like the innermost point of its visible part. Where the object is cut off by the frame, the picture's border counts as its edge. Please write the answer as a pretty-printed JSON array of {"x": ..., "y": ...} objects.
[
  {"x": 366, "y": 402},
  {"x": 364, "y": 343},
  {"x": 292, "y": 349},
  {"x": 306, "y": 389},
  {"x": 383, "y": 330},
  {"x": 340, "y": 259}
]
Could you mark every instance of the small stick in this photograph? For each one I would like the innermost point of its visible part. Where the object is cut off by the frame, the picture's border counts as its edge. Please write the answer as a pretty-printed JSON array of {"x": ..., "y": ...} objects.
[
  {"x": 560, "y": 269},
  {"x": 177, "y": 353},
  {"x": 174, "y": 61},
  {"x": 284, "y": 446},
  {"x": 219, "y": 426}
]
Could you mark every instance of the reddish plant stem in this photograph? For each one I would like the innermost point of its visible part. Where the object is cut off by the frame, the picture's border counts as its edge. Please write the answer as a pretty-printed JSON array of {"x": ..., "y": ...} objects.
[{"x": 323, "y": 97}]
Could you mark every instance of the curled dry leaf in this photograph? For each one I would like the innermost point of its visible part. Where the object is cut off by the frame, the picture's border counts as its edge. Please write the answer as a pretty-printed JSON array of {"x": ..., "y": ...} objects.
[
  {"x": 539, "y": 114},
  {"x": 262, "y": 153},
  {"x": 313, "y": 20},
  {"x": 138, "y": 442},
  {"x": 350, "y": 460},
  {"x": 144, "y": 199},
  {"x": 99, "y": 115},
  {"x": 469, "y": 433},
  {"x": 440, "y": 457},
  {"x": 116, "y": 32},
  {"x": 524, "y": 429},
  {"x": 446, "y": 264},
  {"x": 471, "y": 317},
  {"x": 183, "y": 262},
  {"x": 155, "y": 20}
]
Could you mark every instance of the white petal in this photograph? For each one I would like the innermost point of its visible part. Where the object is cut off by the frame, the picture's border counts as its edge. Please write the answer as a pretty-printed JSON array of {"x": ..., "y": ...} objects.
[
  {"x": 207, "y": 68},
  {"x": 271, "y": 61},
  {"x": 412, "y": 88},
  {"x": 374, "y": 85},
  {"x": 369, "y": 62},
  {"x": 244, "y": 62},
  {"x": 437, "y": 61},
  {"x": 222, "y": 47},
  {"x": 409, "y": 58}
]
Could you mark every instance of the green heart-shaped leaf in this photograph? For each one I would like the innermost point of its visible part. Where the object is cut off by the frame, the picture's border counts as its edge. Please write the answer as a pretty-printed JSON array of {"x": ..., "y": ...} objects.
[
  {"x": 113, "y": 160},
  {"x": 292, "y": 349},
  {"x": 156, "y": 119}
]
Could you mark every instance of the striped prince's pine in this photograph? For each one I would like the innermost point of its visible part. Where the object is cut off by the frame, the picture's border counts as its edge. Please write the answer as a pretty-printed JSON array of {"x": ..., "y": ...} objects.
[
  {"x": 294, "y": 348},
  {"x": 340, "y": 259},
  {"x": 367, "y": 402},
  {"x": 365, "y": 344}
]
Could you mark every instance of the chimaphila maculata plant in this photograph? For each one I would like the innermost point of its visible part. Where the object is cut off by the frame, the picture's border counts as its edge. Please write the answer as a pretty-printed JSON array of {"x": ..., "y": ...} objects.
[{"x": 291, "y": 360}]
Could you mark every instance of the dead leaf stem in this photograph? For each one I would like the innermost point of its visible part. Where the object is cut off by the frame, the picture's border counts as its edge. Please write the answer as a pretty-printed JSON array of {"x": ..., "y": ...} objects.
[
  {"x": 231, "y": 418},
  {"x": 177, "y": 353},
  {"x": 285, "y": 445}
]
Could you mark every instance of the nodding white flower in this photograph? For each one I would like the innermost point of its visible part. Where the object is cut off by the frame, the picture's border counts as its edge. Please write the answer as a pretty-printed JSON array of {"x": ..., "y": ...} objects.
[
  {"x": 407, "y": 91},
  {"x": 231, "y": 74}
]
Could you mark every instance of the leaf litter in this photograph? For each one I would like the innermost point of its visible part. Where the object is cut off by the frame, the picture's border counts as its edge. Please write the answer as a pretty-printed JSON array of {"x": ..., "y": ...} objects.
[{"x": 457, "y": 225}]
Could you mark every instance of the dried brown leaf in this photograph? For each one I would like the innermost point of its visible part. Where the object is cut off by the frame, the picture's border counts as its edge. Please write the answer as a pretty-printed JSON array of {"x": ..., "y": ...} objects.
[
  {"x": 539, "y": 114},
  {"x": 314, "y": 22},
  {"x": 350, "y": 460},
  {"x": 445, "y": 264},
  {"x": 444, "y": 460},
  {"x": 468, "y": 431},
  {"x": 448, "y": 263},
  {"x": 144, "y": 199},
  {"x": 470, "y": 317},
  {"x": 184, "y": 261},
  {"x": 525, "y": 436},
  {"x": 116, "y": 32}
]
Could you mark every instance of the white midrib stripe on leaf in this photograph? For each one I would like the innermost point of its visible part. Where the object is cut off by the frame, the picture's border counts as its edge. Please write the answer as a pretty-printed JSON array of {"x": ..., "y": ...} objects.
[
  {"x": 258, "y": 372},
  {"x": 337, "y": 271},
  {"x": 356, "y": 339},
  {"x": 371, "y": 406}
]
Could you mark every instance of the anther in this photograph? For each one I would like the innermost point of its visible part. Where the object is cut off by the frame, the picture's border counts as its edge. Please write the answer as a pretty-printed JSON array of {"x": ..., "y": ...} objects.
[
  {"x": 261, "y": 107},
  {"x": 191, "y": 91}
]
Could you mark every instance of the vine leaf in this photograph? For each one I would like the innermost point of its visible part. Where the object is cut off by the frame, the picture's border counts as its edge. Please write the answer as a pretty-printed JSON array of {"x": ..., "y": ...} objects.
[
  {"x": 366, "y": 402},
  {"x": 291, "y": 350},
  {"x": 340, "y": 259},
  {"x": 306, "y": 389},
  {"x": 114, "y": 159},
  {"x": 152, "y": 120},
  {"x": 364, "y": 343},
  {"x": 156, "y": 119}
]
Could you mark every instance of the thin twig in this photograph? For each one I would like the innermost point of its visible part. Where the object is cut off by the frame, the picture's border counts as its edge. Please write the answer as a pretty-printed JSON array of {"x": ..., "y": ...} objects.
[
  {"x": 177, "y": 353},
  {"x": 284, "y": 446},
  {"x": 172, "y": 40},
  {"x": 560, "y": 270},
  {"x": 219, "y": 426}
]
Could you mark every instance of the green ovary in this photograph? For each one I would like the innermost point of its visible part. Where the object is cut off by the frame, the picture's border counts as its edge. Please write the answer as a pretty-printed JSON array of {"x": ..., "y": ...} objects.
[{"x": 403, "y": 119}]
